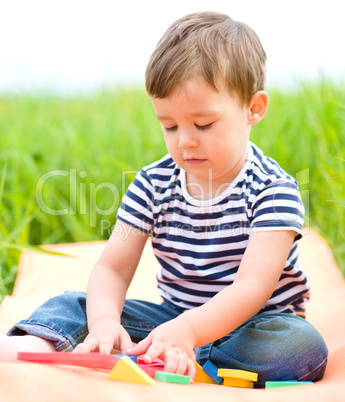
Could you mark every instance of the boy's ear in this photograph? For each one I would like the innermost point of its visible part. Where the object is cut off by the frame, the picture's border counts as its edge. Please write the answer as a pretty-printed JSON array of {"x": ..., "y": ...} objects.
[{"x": 257, "y": 107}]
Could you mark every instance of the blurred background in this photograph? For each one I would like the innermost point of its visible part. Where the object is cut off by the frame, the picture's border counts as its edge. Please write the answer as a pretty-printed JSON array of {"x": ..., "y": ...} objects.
[
  {"x": 76, "y": 123},
  {"x": 73, "y": 45}
]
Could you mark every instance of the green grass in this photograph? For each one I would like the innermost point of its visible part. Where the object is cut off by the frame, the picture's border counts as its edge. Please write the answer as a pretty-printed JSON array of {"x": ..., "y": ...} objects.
[
  {"x": 305, "y": 131},
  {"x": 59, "y": 154}
]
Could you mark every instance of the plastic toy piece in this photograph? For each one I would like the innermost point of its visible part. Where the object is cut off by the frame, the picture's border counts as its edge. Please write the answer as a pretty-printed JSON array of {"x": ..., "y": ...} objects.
[
  {"x": 119, "y": 355},
  {"x": 151, "y": 368},
  {"x": 151, "y": 371},
  {"x": 155, "y": 364},
  {"x": 238, "y": 378},
  {"x": 239, "y": 374},
  {"x": 126, "y": 370},
  {"x": 279, "y": 384},
  {"x": 172, "y": 378},
  {"x": 201, "y": 376},
  {"x": 90, "y": 360},
  {"x": 212, "y": 371},
  {"x": 236, "y": 382}
]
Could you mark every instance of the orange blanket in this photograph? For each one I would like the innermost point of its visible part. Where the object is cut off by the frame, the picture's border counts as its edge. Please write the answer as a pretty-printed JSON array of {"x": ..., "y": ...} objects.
[{"x": 41, "y": 276}]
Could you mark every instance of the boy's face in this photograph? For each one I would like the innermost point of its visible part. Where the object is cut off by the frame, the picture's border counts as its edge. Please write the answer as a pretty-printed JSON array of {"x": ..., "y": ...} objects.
[{"x": 206, "y": 133}]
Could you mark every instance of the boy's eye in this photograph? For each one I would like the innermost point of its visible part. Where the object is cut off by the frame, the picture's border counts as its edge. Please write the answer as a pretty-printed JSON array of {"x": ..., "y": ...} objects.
[
  {"x": 174, "y": 128},
  {"x": 205, "y": 127},
  {"x": 198, "y": 127}
]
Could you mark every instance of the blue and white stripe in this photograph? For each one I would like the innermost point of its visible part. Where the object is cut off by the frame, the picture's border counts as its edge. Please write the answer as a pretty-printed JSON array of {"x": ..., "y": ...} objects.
[{"x": 200, "y": 244}]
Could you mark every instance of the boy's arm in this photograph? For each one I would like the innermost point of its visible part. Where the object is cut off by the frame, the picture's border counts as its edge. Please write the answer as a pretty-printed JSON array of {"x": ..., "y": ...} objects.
[
  {"x": 256, "y": 279},
  {"x": 107, "y": 287}
]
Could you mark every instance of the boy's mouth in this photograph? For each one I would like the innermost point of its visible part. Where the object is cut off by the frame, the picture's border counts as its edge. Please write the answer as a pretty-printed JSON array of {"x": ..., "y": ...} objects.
[{"x": 195, "y": 161}]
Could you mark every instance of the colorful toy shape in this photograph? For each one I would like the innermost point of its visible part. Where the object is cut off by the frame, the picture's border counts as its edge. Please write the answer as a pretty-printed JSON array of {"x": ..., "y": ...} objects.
[
  {"x": 212, "y": 371},
  {"x": 279, "y": 384},
  {"x": 201, "y": 376},
  {"x": 119, "y": 355},
  {"x": 90, "y": 360},
  {"x": 156, "y": 363},
  {"x": 172, "y": 378},
  {"x": 126, "y": 370},
  {"x": 151, "y": 368},
  {"x": 238, "y": 378}
]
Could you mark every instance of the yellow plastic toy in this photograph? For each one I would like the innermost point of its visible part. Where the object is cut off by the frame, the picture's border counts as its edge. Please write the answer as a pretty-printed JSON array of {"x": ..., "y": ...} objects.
[
  {"x": 238, "y": 378},
  {"x": 126, "y": 370},
  {"x": 201, "y": 376}
]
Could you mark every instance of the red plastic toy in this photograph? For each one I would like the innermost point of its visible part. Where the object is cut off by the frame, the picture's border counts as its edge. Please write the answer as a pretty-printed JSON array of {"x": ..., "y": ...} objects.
[{"x": 90, "y": 360}]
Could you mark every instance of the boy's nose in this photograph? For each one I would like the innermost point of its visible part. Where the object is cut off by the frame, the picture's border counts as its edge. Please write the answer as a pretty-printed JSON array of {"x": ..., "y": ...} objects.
[{"x": 187, "y": 140}]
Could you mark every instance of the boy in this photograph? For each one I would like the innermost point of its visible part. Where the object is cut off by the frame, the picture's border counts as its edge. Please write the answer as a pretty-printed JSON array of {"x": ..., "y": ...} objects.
[{"x": 225, "y": 223}]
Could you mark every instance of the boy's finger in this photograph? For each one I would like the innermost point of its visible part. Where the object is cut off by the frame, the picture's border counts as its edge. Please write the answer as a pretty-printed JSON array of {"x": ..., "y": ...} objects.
[
  {"x": 125, "y": 343},
  {"x": 81, "y": 348},
  {"x": 140, "y": 348},
  {"x": 154, "y": 351},
  {"x": 182, "y": 364},
  {"x": 105, "y": 348},
  {"x": 89, "y": 345},
  {"x": 191, "y": 369},
  {"x": 172, "y": 361}
]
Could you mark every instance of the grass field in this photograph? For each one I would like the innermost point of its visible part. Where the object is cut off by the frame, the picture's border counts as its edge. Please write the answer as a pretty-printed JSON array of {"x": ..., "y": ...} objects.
[{"x": 65, "y": 162}]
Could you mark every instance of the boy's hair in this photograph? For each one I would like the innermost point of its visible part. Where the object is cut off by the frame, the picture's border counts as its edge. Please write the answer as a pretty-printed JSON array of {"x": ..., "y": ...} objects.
[{"x": 223, "y": 51}]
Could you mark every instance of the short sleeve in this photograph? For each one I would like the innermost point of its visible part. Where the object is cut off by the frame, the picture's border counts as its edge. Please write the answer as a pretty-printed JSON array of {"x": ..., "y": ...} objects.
[
  {"x": 278, "y": 207},
  {"x": 136, "y": 205}
]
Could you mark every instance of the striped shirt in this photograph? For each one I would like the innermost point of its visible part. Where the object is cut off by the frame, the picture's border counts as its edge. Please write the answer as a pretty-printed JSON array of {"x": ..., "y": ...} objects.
[{"x": 200, "y": 243}]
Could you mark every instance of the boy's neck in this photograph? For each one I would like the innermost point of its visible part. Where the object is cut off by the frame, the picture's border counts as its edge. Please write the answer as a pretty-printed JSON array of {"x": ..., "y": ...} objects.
[{"x": 213, "y": 188}]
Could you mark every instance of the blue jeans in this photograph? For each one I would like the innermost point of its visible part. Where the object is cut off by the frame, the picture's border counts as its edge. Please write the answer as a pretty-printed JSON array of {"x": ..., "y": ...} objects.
[{"x": 277, "y": 346}]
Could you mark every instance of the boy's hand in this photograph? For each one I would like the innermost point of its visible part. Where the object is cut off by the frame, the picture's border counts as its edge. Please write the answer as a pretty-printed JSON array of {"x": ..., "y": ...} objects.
[
  {"x": 104, "y": 336},
  {"x": 172, "y": 342}
]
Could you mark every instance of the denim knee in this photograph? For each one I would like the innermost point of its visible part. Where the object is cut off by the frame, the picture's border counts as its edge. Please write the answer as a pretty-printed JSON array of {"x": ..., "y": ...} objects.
[
  {"x": 297, "y": 351},
  {"x": 61, "y": 319},
  {"x": 276, "y": 346}
]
